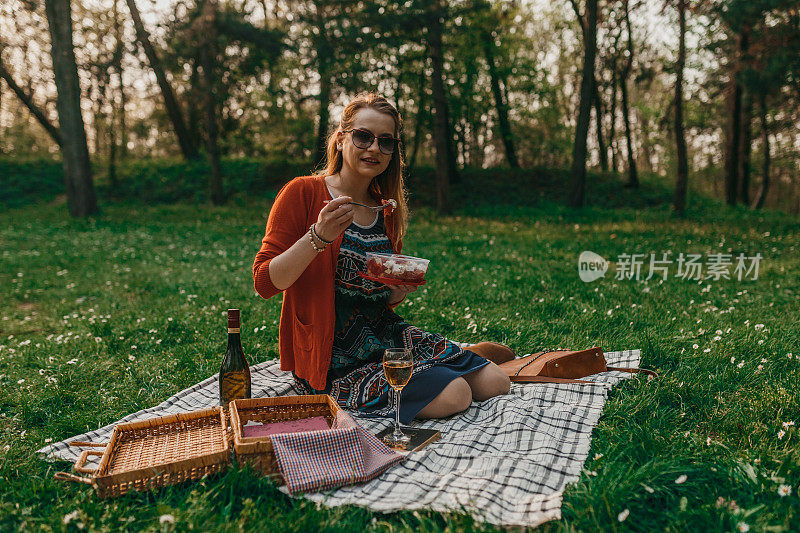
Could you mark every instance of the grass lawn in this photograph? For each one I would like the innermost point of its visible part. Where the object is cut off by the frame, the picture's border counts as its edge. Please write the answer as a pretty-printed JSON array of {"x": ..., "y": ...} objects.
[{"x": 107, "y": 316}]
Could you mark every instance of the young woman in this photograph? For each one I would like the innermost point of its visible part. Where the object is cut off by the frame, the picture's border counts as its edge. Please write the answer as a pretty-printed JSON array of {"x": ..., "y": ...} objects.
[{"x": 334, "y": 323}]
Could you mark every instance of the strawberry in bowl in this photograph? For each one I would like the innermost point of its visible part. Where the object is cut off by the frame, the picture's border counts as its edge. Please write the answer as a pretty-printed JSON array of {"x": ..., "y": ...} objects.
[{"x": 396, "y": 269}]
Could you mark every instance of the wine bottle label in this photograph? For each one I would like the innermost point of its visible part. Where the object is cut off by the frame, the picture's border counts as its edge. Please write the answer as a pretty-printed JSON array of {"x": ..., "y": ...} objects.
[
  {"x": 233, "y": 386},
  {"x": 233, "y": 330}
]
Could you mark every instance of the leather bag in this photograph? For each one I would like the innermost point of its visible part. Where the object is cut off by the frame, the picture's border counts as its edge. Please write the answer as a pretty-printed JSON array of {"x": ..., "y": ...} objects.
[{"x": 562, "y": 366}]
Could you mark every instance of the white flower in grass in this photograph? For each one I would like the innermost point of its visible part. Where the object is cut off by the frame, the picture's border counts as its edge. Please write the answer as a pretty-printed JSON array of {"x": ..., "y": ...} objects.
[
  {"x": 681, "y": 479},
  {"x": 131, "y": 358},
  {"x": 760, "y": 341},
  {"x": 787, "y": 424},
  {"x": 72, "y": 361},
  {"x": 695, "y": 346},
  {"x": 717, "y": 338},
  {"x": 758, "y": 326},
  {"x": 781, "y": 433},
  {"x": 69, "y": 517},
  {"x": 743, "y": 527},
  {"x": 707, "y": 350},
  {"x": 741, "y": 364},
  {"x": 784, "y": 490},
  {"x": 166, "y": 519},
  {"x": 621, "y": 517},
  {"x": 733, "y": 360},
  {"x": 760, "y": 367},
  {"x": 763, "y": 360}
]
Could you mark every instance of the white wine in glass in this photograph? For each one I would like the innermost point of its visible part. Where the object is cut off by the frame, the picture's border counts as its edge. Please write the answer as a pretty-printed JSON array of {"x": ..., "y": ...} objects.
[{"x": 398, "y": 365}]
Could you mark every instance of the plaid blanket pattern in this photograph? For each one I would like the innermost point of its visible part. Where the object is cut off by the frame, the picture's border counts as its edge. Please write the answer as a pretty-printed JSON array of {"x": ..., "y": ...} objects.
[
  {"x": 345, "y": 454},
  {"x": 506, "y": 461}
]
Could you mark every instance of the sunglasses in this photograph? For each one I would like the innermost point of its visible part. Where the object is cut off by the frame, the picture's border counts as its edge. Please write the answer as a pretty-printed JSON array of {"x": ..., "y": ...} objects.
[{"x": 363, "y": 139}]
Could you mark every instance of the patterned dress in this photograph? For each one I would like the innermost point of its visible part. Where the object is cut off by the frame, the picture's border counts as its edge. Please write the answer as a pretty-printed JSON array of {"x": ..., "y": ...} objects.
[{"x": 365, "y": 326}]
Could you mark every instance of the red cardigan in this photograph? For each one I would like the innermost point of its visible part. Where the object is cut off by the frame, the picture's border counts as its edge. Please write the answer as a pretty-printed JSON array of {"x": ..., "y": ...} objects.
[{"x": 307, "y": 314}]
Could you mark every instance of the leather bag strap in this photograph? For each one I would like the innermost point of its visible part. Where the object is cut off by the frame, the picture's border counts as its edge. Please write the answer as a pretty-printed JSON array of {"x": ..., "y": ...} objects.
[
  {"x": 533, "y": 360},
  {"x": 634, "y": 371},
  {"x": 542, "y": 379}
]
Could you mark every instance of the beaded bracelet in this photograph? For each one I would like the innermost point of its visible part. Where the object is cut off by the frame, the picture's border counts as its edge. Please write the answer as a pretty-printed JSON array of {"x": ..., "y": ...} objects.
[
  {"x": 314, "y": 231},
  {"x": 311, "y": 239}
]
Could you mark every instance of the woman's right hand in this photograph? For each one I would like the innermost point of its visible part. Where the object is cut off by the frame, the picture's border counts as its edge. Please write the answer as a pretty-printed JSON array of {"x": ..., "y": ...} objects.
[{"x": 335, "y": 217}]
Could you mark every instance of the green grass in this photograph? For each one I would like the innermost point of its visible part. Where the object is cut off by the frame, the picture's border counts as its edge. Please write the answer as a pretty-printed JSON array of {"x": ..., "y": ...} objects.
[{"x": 106, "y": 316}]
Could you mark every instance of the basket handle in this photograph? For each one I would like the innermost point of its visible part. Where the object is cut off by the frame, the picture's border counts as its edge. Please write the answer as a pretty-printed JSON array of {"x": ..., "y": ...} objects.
[
  {"x": 79, "y": 464},
  {"x": 87, "y": 443},
  {"x": 66, "y": 476}
]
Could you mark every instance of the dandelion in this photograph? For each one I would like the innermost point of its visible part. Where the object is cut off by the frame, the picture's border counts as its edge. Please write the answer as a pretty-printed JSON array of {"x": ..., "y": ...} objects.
[
  {"x": 781, "y": 433},
  {"x": 623, "y": 515},
  {"x": 70, "y": 517},
  {"x": 784, "y": 490},
  {"x": 681, "y": 479},
  {"x": 166, "y": 519},
  {"x": 743, "y": 527}
]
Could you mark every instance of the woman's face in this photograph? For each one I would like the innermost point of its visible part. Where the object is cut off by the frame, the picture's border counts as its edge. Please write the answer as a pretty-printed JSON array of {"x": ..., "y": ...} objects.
[{"x": 366, "y": 162}]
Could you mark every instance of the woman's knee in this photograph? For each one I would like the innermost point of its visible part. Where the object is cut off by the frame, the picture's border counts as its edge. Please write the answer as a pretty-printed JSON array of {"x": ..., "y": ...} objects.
[
  {"x": 488, "y": 382},
  {"x": 454, "y": 398}
]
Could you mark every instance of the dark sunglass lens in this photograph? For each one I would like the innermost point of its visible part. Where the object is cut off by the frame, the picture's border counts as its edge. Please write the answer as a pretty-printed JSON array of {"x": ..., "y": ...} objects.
[
  {"x": 362, "y": 139},
  {"x": 386, "y": 144}
]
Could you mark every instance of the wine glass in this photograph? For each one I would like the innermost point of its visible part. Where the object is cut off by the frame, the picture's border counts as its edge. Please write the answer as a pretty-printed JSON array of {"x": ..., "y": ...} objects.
[{"x": 398, "y": 365}]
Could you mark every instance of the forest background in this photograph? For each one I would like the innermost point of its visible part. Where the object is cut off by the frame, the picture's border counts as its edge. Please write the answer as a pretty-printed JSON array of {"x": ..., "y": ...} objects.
[{"x": 698, "y": 94}]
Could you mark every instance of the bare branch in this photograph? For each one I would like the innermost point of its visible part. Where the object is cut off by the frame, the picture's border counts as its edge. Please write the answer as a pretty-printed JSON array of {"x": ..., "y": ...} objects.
[{"x": 51, "y": 129}]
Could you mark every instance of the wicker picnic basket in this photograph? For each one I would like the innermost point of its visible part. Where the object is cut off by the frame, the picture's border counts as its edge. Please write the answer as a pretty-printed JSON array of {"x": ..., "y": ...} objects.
[
  {"x": 257, "y": 451},
  {"x": 157, "y": 452}
]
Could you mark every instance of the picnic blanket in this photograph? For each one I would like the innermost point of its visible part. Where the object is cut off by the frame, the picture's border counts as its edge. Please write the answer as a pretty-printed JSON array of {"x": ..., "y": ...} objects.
[{"x": 505, "y": 461}]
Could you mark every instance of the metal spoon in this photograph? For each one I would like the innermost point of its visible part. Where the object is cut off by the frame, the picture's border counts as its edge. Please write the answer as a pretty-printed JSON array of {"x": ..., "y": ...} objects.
[{"x": 391, "y": 202}]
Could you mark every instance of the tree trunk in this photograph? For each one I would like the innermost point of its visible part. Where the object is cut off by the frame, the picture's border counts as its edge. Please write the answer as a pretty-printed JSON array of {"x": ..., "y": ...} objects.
[
  {"x": 762, "y": 193},
  {"x": 633, "y": 175},
  {"x": 119, "y": 53},
  {"x": 578, "y": 180},
  {"x": 598, "y": 115},
  {"x": 207, "y": 63},
  {"x": 612, "y": 134},
  {"x": 412, "y": 160},
  {"x": 745, "y": 149},
  {"x": 27, "y": 101},
  {"x": 188, "y": 147},
  {"x": 732, "y": 165},
  {"x": 99, "y": 113},
  {"x": 681, "y": 183},
  {"x": 499, "y": 103},
  {"x": 324, "y": 60},
  {"x": 441, "y": 130},
  {"x": 112, "y": 142},
  {"x": 77, "y": 168}
]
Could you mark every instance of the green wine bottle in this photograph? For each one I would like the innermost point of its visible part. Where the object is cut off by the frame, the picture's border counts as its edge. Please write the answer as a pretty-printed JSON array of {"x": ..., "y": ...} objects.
[{"x": 234, "y": 375}]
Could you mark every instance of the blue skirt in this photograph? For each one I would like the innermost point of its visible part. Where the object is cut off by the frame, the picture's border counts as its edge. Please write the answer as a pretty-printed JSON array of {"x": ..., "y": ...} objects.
[{"x": 421, "y": 389}]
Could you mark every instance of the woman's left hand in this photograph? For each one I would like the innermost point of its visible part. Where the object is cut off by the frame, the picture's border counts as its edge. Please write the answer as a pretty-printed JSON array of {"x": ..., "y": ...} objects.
[{"x": 399, "y": 292}]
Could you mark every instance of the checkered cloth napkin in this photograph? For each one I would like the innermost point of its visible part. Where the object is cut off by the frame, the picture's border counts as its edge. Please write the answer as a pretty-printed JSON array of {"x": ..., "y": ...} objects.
[{"x": 343, "y": 455}]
